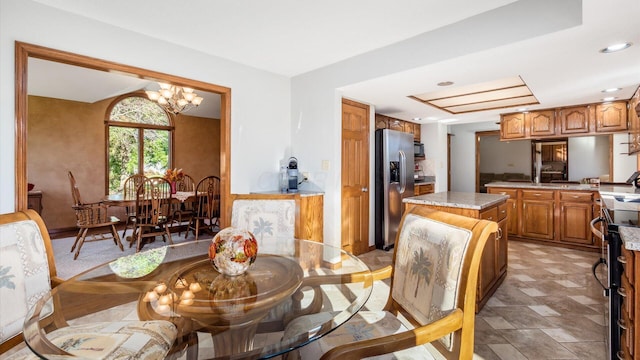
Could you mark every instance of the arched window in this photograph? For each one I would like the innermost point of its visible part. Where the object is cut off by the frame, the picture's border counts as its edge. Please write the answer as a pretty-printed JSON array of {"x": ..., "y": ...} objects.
[{"x": 139, "y": 137}]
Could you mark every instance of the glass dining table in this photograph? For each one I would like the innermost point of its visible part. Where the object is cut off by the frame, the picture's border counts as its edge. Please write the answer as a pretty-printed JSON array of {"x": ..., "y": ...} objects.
[{"x": 216, "y": 316}]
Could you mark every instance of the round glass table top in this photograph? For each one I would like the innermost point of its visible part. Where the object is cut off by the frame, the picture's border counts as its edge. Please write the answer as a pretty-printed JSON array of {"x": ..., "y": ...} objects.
[{"x": 215, "y": 315}]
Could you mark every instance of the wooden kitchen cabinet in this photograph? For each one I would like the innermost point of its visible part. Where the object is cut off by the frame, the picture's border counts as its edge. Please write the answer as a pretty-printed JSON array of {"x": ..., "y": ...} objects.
[
  {"x": 512, "y": 126},
  {"x": 538, "y": 214},
  {"x": 395, "y": 124},
  {"x": 575, "y": 120},
  {"x": 381, "y": 121},
  {"x": 512, "y": 206},
  {"x": 576, "y": 212},
  {"x": 386, "y": 122},
  {"x": 634, "y": 123},
  {"x": 542, "y": 123},
  {"x": 493, "y": 264},
  {"x": 611, "y": 116},
  {"x": 580, "y": 120},
  {"x": 421, "y": 189},
  {"x": 630, "y": 309},
  {"x": 556, "y": 217}
]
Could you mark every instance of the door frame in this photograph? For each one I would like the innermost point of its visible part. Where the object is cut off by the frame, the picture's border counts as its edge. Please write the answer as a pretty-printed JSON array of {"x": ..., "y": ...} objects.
[{"x": 23, "y": 51}]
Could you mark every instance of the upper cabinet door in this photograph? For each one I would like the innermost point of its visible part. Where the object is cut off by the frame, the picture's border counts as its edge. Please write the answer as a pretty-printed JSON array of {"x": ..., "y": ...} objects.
[
  {"x": 611, "y": 116},
  {"x": 543, "y": 123},
  {"x": 574, "y": 120},
  {"x": 381, "y": 121},
  {"x": 512, "y": 126},
  {"x": 634, "y": 123}
]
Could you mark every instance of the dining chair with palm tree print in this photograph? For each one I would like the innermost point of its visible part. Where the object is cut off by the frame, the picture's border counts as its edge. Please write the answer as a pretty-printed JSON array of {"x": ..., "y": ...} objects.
[{"x": 432, "y": 296}]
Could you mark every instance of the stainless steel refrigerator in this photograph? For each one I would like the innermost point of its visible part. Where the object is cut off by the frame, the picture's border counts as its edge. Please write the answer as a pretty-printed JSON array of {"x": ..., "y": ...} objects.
[{"x": 394, "y": 182}]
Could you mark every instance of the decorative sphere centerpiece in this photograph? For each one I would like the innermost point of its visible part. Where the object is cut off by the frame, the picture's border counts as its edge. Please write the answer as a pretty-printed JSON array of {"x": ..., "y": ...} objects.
[{"x": 232, "y": 251}]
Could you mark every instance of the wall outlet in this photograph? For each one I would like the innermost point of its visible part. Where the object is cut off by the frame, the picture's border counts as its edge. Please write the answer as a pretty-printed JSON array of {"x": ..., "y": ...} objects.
[
  {"x": 305, "y": 176},
  {"x": 325, "y": 165}
]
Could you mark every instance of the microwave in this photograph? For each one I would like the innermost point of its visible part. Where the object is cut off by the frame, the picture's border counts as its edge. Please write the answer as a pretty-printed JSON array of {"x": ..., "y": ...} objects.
[{"x": 418, "y": 149}]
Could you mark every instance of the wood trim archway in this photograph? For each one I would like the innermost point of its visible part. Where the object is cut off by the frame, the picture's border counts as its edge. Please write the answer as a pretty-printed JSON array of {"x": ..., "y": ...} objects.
[{"x": 24, "y": 51}]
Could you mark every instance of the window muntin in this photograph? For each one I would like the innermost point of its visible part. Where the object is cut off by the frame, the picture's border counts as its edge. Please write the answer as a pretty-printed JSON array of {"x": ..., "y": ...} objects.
[{"x": 139, "y": 140}]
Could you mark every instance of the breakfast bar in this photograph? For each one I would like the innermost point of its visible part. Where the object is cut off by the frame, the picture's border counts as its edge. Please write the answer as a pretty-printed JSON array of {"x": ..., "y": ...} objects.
[{"x": 493, "y": 207}]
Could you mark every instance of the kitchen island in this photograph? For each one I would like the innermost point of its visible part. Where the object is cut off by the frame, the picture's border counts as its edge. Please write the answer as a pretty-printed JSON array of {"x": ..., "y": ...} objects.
[
  {"x": 555, "y": 214},
  {"x": 493, "y": 268}
]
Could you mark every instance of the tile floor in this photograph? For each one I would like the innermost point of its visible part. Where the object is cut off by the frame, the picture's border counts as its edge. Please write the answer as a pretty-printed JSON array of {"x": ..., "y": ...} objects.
[{"x": 548, "y": 307}]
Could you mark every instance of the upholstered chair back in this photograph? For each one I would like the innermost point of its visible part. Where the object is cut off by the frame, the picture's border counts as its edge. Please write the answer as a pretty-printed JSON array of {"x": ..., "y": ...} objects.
[
  {"x": 271, "y": 221},
  {"x": 27, "y": 271},
  {"x": 429, "y": 269}
]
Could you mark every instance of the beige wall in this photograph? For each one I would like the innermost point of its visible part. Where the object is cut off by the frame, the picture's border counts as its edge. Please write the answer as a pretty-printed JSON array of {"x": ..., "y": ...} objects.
[{"x": 70, "y": 136}]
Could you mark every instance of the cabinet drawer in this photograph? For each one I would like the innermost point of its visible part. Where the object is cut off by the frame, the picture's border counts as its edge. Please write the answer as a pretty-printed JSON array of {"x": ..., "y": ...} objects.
[
  {"x": 502, "y": 211},
  {"x": 626, "y": 259},
  {"x": 626, "y": 333},
  {"x": 627, "y": 293},
  {"x": 537, "y": 195},
  {"x": 513, "y": 193},
  {"x": 490, "y": 214},
  {"x": 576, "y": 196}
]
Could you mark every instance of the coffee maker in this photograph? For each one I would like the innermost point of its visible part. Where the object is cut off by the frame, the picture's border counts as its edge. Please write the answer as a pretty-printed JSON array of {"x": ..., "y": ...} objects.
[{"x": 292, "y": 171}]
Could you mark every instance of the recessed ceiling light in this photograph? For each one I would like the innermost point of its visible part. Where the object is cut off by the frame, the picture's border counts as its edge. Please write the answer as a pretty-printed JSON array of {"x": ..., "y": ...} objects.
[
  {"x": 417, "y": 119},
  {"x": 615, "y": 47},
  {"x": 609, "y": 98},
  {"x": 445, "y": 83},
  {"x": 611, "y": 90}
]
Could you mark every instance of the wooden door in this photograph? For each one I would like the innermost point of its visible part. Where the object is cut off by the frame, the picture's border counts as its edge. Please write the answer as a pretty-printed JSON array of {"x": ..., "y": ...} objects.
[{"x": 355, "y": 177}]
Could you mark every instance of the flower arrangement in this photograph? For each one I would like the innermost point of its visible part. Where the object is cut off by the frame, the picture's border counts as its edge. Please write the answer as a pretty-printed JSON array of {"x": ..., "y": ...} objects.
[{"x": 173, "y": 175}]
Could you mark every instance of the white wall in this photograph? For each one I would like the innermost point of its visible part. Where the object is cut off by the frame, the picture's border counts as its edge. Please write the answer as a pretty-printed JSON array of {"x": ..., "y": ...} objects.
[
  {"x": 434, "y": 138},
  {"x": 463, "y": 154},
  {"x": 588, "y": 157},
  {"x": 260, "y": 107},
  {"x": 623, "y": 165},
  {"x": 272, "y": 117},
  {"x": 501, "y": 157}
]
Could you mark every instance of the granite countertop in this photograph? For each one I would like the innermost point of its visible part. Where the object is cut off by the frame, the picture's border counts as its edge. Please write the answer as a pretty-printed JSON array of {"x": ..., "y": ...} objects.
[
  {"x": 630, "y": 237},
  {"x": 424, "y": 182},
  {"x": 543, "y": 186},
  {"x": 302, "y": 193},
  {"x": 463, "y": 200}
]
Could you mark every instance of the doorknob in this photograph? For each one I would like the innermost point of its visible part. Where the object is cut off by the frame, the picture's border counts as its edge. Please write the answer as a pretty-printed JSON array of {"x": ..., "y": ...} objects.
[{"x": 364, "y": 189}]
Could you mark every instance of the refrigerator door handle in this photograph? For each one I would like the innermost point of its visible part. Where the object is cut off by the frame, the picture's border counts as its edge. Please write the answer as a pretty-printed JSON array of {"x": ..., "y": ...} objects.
[{"x": 403, "y": 171}]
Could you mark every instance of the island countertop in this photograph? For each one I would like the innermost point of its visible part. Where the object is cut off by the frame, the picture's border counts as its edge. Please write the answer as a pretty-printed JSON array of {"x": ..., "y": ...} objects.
[
  {"x": 630, "y": 237},
  {"x": 542, "y": 186},
  {"x": 476, "y": 201}
]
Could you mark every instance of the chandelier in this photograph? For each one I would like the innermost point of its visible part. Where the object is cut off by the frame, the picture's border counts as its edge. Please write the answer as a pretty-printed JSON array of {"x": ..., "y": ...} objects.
[{"x": 175, "y": 99}]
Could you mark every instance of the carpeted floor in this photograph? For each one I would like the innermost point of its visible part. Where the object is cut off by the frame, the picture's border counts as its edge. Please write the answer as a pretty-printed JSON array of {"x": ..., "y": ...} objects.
[{"x": 94, "y": 253}]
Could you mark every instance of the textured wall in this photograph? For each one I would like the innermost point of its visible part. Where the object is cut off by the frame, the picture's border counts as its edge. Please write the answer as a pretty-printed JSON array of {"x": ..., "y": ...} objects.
[{"x": 70, "y": 136}]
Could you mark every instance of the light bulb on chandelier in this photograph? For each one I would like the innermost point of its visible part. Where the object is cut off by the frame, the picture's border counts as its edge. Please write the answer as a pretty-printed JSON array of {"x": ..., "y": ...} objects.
[{"x": 175, "y": 99}]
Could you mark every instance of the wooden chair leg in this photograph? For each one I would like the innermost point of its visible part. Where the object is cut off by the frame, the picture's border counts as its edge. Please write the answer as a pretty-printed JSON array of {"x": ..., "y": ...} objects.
[
  {"x": 167, "y": 230},
  {"x": 139, "y": 240},
  {"x": 116, "y": 238},
  {"x": 84, "y": 234},
  {"x": 77, "y": 239},
  {"x": 126, "y": 225}
]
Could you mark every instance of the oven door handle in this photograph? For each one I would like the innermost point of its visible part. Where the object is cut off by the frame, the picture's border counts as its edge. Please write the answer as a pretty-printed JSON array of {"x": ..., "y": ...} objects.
[
  {"x": 594, "y": 230},
  {"x": 593, "y": 270}
]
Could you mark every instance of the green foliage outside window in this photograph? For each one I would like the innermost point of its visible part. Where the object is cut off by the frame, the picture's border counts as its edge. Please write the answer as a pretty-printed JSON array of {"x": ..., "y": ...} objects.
[{"x": 137, "y": 114}]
